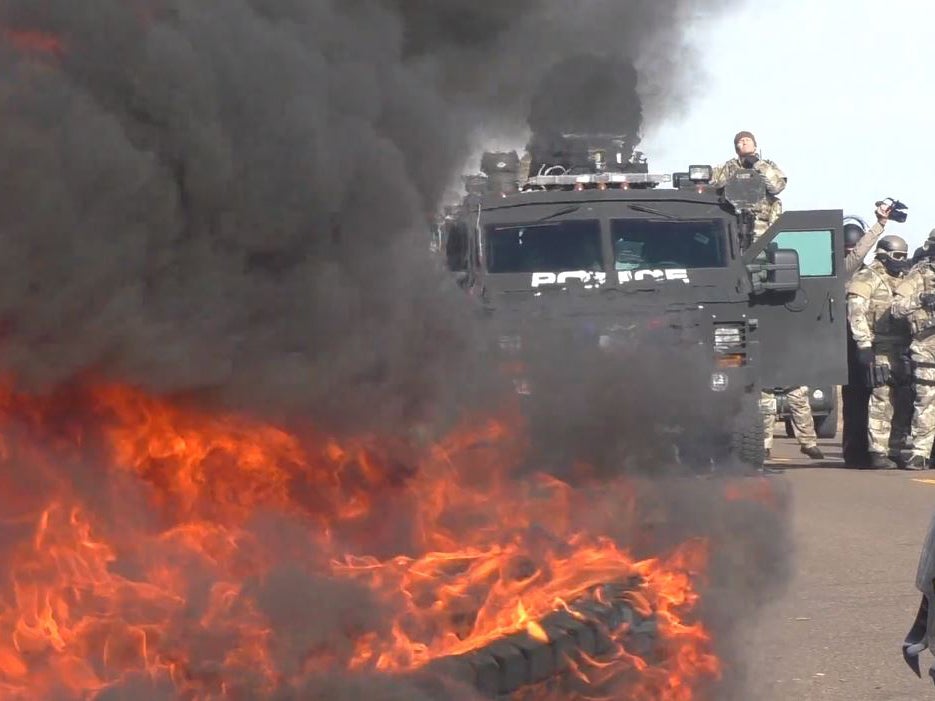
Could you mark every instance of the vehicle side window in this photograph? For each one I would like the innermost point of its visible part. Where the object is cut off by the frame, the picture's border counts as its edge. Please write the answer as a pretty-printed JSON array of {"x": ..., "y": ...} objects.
[{"x": 815, "y": 249}]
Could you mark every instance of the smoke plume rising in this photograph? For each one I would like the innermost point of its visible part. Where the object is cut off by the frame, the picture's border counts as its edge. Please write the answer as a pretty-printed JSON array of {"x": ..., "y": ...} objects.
[{"x": 233, "y": 199}]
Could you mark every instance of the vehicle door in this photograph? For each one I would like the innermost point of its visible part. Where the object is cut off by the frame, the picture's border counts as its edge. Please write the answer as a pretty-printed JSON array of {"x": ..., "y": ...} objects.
[{"x": 803, "y": 334}]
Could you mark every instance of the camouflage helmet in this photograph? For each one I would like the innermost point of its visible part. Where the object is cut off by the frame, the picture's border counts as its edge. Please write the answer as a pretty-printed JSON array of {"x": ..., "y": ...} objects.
[{"x": 854, "y": 229}]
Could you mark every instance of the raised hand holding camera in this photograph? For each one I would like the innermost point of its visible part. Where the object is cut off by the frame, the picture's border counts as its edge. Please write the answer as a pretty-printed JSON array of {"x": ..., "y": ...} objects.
[{"x": 892, "y": 210}]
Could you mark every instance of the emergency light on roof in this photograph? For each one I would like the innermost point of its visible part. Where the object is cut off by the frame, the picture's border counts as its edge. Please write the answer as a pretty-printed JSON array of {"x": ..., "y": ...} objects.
[{"x": 583, "y": 180}]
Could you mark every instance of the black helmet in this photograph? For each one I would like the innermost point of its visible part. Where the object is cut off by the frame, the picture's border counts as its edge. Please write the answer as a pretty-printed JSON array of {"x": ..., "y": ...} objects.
[
  {"x": 892, "y": 244},
  {"x": 930, "y": 241},
  {"x": 854, "y": 229},
  {"x": 893, "y": 252}
]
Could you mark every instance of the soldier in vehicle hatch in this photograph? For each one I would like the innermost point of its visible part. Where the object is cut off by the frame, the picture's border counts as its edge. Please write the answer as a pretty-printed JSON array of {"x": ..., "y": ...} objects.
[
  {"x": 882, "y": 350},
  {"x": 770, "y": 207},
  {"x": 765, "y": 213}
]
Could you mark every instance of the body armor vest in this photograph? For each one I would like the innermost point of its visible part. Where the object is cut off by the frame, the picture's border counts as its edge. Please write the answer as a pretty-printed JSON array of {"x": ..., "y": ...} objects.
[
  {"x": 886, "y": 327},
  {"x": 922, "y": 321},
  {"x": 875, "y": 285}
]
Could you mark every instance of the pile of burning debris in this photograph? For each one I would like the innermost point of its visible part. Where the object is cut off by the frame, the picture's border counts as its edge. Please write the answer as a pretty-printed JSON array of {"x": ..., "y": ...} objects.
[
  {"x": 149, "y": 547},
  {"x": 555, "y": 654}
]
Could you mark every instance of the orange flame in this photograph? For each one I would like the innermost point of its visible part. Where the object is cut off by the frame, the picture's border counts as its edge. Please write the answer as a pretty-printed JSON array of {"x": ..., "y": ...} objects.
[{"x": 149, "y": 533}]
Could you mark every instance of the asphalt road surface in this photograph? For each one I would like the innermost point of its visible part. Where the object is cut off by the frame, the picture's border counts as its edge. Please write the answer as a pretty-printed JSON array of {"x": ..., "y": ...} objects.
[{"x": 837, "y": 630}]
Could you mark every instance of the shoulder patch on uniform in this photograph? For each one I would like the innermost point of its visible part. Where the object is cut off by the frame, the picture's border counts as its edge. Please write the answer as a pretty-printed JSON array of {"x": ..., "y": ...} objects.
[{"x": 862, "y": 284}]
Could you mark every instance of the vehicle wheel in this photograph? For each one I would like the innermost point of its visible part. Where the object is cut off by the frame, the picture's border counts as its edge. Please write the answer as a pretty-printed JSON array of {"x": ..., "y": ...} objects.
[
  {"x": 827, "y": 426},
  {"x": 747, "y": 437}
]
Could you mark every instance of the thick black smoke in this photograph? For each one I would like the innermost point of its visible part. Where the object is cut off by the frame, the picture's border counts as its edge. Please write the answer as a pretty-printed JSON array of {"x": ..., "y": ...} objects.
[
  {"x": 233, "y": 198},
  {"x": 586, "y": 94}
]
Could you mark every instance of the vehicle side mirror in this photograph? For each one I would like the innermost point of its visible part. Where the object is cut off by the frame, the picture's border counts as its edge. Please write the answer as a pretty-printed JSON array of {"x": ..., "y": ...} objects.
[
  {"x": 783, "y": 271},
  {"x": 780, "y": 270}
]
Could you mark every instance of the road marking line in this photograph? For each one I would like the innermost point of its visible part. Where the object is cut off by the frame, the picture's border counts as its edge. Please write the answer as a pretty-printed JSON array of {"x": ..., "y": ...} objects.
[{"x": 924, "y": 481}]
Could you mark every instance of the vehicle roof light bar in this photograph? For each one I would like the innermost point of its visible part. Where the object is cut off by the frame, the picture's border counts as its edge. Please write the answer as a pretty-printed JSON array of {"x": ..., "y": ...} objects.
[{"x": 599, "y": 178}]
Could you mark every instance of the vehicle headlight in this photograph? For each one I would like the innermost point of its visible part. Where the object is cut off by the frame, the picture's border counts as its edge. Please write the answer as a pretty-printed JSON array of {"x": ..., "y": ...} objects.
[
  {"x": 700, "y": 174},
  {"x": 726, "y": 337},
  {"x": 511, "y": 344},
  {"x": 818, "y": 395},
  {"x": 719, "y": 381}
]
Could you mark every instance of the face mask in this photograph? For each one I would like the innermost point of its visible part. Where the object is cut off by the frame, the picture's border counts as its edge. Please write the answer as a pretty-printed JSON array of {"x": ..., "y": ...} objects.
[{"x": 896, "y": 268}]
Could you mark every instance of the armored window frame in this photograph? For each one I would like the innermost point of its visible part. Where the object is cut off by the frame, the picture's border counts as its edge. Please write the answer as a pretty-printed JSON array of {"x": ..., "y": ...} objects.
[
  {"x": 712, "y": 252},
  {"x": 815, "y": 249}
]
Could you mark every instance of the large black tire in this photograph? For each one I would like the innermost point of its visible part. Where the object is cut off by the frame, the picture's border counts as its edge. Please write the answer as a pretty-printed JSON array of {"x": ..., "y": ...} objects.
[
  {"x": 747, "y": 436},
  {"x": 827, "y": 426}
]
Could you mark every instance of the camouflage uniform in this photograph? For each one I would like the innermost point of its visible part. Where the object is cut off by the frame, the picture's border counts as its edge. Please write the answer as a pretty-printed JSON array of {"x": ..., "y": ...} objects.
[
  {"x": 803, "y": 424},
  {"x": 854, "y": 259},
  {"x": 869, "y": 301},
  {"x": 770, "y": 207},
  {"x": 907, "y": 305}
]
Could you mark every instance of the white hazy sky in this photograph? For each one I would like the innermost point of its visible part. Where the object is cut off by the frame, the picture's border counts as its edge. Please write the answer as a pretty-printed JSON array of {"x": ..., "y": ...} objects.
[{"x": 839, "y": 93}]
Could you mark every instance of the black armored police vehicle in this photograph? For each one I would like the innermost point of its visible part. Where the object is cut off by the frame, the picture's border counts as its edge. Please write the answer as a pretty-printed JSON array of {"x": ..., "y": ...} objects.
[{"x": 624, "y": 258}]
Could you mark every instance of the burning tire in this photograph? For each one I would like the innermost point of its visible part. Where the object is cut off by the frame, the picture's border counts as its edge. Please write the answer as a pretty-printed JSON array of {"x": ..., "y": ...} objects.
[{"x": 556, "y": 652}]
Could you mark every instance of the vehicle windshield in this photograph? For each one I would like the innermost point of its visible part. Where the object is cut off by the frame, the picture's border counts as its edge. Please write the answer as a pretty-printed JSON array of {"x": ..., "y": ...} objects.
[
  {"x": 646, "y": 243},
  {"x": 551, "y": 246}
]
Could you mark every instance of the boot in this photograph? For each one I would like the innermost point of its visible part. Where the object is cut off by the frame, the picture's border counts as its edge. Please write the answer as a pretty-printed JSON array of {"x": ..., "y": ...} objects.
[
  {"x": 813, "y": 451},
  {"x": 878, "y": 461},
  {"x": 916, "y": 462}
]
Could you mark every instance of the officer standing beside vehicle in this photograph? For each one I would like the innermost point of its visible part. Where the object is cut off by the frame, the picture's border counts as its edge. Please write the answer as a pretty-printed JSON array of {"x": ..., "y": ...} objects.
[
  {"x": 855, "y": 395},
  {"x": 882, "y": 347},
  {"x": 769, "y": 208},
  {"x": 863, "y": 241},
  {"x": 914, "y": 299}
]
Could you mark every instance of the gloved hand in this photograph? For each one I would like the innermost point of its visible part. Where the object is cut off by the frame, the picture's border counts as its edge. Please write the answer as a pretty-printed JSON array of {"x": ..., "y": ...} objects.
[
  {"x": 902, "y": 370},
  {"x": 865, "y": 357},
  {"x": 750, "y": 161},
  {"x": 927, "y": 300}
]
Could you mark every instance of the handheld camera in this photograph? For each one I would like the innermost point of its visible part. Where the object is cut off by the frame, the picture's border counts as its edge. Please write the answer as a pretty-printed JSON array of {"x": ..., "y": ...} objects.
[{"x": 899, "y": 211}]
